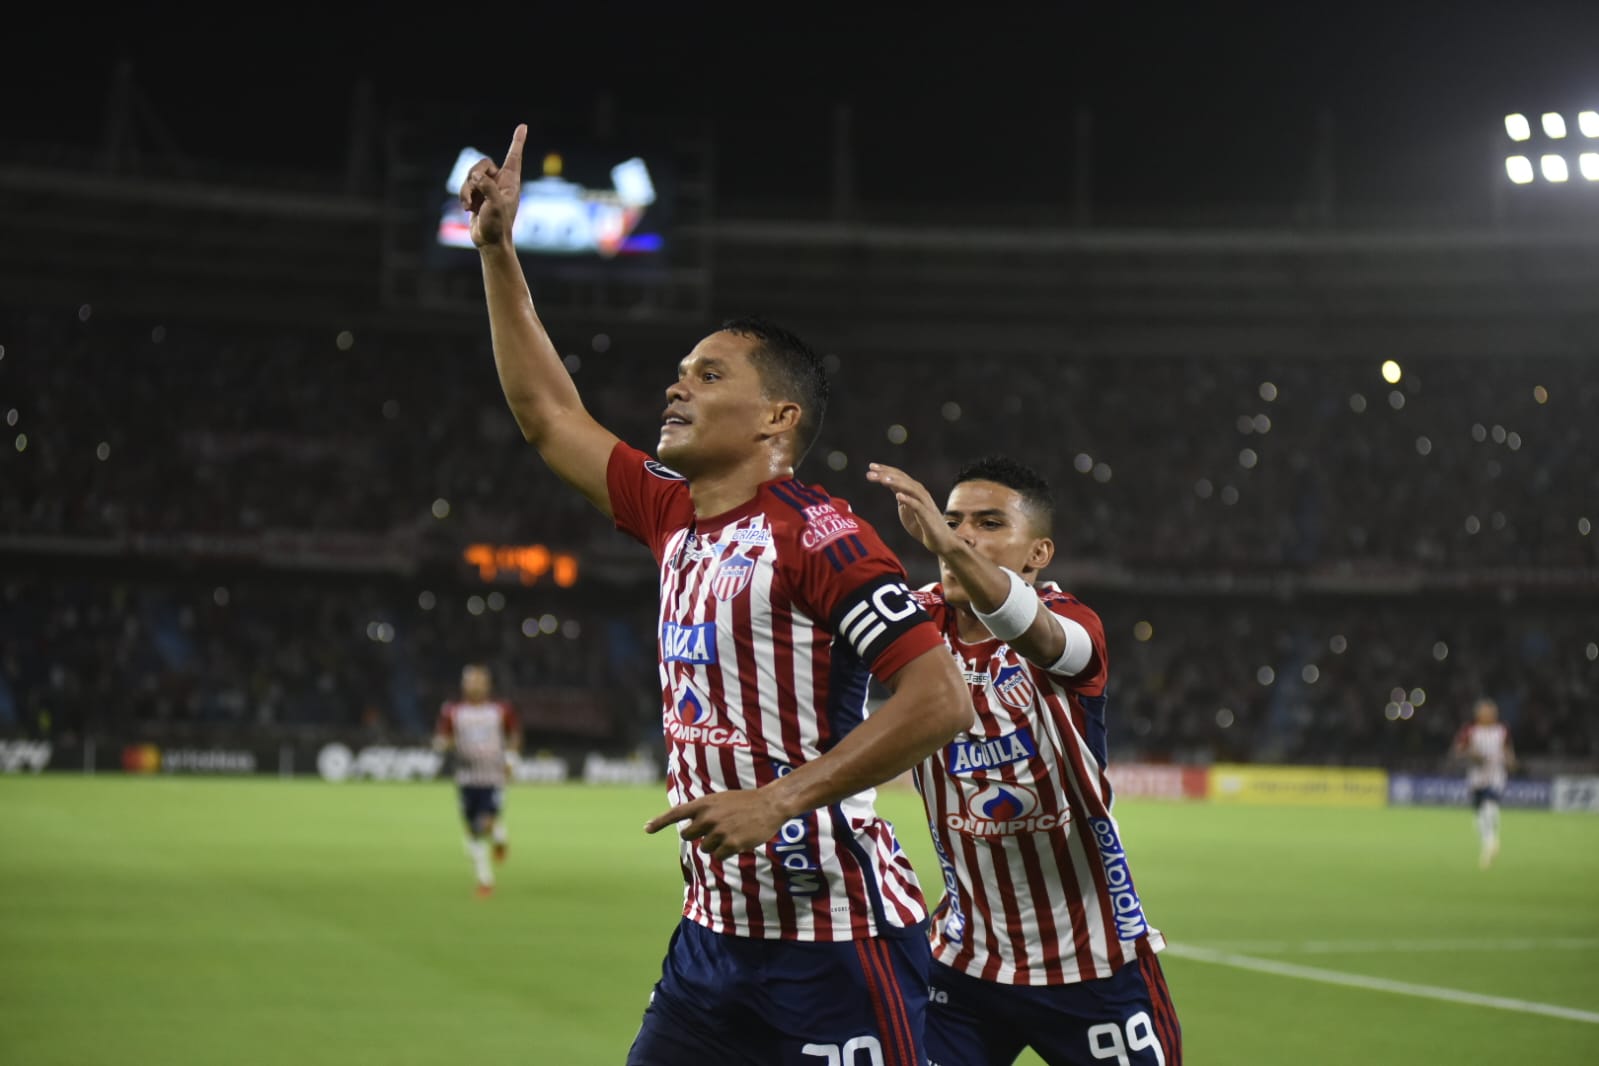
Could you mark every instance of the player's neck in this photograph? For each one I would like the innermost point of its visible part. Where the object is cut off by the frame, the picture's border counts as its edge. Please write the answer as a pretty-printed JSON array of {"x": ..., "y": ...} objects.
[
  {"x": 718, "y": 492},
  {"x": 968, "y": 628}
]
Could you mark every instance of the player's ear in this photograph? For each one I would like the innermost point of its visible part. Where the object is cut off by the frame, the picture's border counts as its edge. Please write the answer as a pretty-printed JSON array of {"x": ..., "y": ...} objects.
[
  {"x": 1041, "y": 554},
  {"x": 782, "y": 416}
]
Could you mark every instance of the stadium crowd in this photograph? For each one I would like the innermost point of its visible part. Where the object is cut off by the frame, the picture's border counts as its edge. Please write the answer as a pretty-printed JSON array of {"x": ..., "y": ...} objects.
[
  {"x": 1237, "y": 463},
  {"x": 1385, "y": 683},
  {"x": 120, "y": 428}
]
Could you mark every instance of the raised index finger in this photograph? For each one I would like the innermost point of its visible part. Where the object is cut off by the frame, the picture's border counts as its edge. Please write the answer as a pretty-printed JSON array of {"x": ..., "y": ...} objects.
[{"x": 513, "y": 155}]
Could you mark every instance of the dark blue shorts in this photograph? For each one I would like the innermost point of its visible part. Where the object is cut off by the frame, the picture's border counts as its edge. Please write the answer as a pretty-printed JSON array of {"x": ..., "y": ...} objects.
[
  {"x": 1126, "y": 1018},
  {"x": 734, "y": 1001},
  {"x": 479, "y": 801},
  {"x": 1479, "y": 796}
]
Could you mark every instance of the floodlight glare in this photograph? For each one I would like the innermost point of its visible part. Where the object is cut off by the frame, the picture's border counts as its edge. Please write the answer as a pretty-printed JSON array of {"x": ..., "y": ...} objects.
[
  {"x": 1517, "y": 127},
  {"x": 1589, "y": 163},
  {"x": 1519, "y": 167},
  {"x": 1588, "y": 123},
  {"x": 1554, "y": 126},
  {"x": 1554, "y": 168}
]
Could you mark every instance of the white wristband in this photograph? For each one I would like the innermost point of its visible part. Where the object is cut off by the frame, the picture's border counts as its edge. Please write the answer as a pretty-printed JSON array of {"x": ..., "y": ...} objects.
[
  {"x": 1078, "y": 650},
  {"x": 1013, "y": 617}
]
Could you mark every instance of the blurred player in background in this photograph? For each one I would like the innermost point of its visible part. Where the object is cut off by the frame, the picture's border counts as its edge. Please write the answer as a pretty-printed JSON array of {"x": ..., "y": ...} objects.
[
  {"x": 485, "y": 737},
  {"x": 1485, "y": 745},
  {"x": 1040, "y": 940},
  {"x": 803, "y": 937}
]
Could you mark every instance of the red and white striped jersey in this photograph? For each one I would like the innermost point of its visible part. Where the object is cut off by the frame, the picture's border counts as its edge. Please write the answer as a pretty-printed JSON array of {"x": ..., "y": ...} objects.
[
  {"x": 1487, "y": 747},
  {"x": 1037, "y": 887},
  {"x": 771, "y": 617},
  {"x": 478, "y": 731}
]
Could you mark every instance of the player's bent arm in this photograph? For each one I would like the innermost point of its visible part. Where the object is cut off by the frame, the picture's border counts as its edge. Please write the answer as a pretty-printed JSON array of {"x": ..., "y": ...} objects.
[
  {"x": 1013, "y": 612},
  {"x": 540, "y": 392},
  {"x": 929, "y": 705}
]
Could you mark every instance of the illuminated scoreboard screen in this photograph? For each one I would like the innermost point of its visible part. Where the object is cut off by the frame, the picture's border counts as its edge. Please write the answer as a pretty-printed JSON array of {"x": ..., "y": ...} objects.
[{"x": 578, "y": 206}]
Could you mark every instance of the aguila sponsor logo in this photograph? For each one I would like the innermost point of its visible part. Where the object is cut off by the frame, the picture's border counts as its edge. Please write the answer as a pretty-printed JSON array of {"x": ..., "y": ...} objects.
[
  {"x": 998, "y": 808},
  {"x": 692, "y": 722},
  {"x": 689, "y": 644},
  {"x": 985, "y": 753}
]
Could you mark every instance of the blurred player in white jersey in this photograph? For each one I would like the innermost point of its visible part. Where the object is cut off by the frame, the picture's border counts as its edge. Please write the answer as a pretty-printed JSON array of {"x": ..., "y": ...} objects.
[
  {"x": 1485, "y": 745},
  {"x": 1041, "y": 940},
  {"x": 485, "y": 736}
]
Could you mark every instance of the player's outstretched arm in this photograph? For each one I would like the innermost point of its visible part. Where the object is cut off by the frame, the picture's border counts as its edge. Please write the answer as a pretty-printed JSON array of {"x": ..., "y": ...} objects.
[
  {"x": 929, "y": 705},
  {"x": 540, "y": 392},
  {"x": 1044, "y": 638}
]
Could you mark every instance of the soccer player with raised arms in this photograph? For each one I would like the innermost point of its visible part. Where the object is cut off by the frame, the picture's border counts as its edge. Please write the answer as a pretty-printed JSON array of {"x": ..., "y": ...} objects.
[
  {"x": 803, "y": 938},
  {"x": 1041, "y": 940}
]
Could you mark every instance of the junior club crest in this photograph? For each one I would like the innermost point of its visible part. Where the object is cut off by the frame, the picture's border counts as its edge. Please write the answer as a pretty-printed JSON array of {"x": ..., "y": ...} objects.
[
  {"x": 1014, "y": 688},
  {"x": 732, "y": 577}
]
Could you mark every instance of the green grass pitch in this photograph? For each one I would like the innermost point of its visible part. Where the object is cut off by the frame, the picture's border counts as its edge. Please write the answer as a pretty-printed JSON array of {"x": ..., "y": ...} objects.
[{"x": 173, "y": 921}]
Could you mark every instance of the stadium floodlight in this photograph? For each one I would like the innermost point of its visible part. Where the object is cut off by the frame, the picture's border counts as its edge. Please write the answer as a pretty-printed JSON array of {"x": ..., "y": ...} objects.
[
  {"x": 1518, "y": 127},
  {"x": 1588, "y": 123},
  {"x": 1554, "y": 125},
  {"x": 1589, "y": 163},
  {"x": 1554, "y": 168},
  {"x": 1519, "y": 167}
]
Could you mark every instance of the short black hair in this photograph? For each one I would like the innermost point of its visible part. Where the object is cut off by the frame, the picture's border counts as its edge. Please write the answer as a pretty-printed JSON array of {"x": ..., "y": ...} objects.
[
  {"x": 1028, "y": 483},
  {"x": 789, "y": 371}
]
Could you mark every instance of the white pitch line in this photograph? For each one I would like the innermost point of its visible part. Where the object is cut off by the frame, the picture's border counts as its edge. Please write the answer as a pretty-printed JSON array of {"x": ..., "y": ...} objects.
[
  {"x": 1379, "y": 984},
  {"x": 1406, "y": 947}
]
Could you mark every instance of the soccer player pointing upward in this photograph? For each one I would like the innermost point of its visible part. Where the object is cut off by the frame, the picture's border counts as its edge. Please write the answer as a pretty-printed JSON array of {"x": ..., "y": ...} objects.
[
  {"x": 803, "y": 932},
  {"x": 1041, "y": 939}
]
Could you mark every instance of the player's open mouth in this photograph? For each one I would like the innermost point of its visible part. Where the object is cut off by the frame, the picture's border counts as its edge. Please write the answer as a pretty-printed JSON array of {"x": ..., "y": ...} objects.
[{"x": 674, "y": 418}]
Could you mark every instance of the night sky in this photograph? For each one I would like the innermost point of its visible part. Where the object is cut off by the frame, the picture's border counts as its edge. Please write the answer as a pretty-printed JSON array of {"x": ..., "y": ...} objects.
[{"x": 1190, "y": 107}]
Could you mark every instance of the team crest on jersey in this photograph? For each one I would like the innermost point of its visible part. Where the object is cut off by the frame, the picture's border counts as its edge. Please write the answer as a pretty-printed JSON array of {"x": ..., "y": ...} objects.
[
  {"x": 999, "y": 808},
  {"x": 1014, "y": 688},
  {"x": 662, "y": 471},
  {"x": 732, "y": 577},
  {"x": 692, "y": 720}
]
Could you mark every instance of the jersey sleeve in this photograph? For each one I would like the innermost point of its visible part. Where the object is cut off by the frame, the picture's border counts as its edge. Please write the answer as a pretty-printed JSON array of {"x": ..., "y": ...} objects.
[
  {"x": 649, "y": 501},
  {"x": 1090, "y": 680},
  {"x": 844, "y": 576},
  {"x": 446, "y": 723}
]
